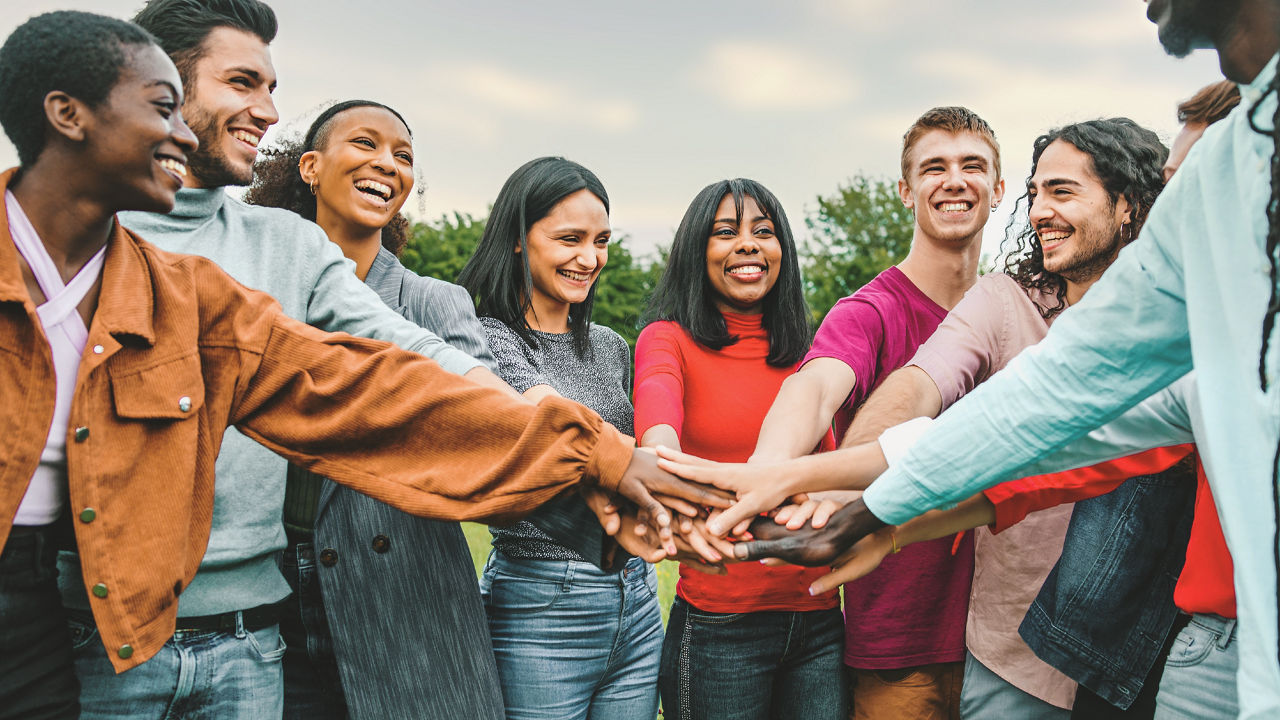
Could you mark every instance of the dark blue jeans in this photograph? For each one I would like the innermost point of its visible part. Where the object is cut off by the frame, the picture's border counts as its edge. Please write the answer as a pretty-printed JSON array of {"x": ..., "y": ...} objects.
[
  {"x": 312, "y": 688},
  {"x": 752, "y": 666},
  {"x": 37, "y": 672}
]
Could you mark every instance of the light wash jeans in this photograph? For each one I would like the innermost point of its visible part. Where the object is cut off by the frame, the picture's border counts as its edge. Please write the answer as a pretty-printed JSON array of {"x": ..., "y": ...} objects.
[
  {"x": 985, "y": 695},
  {"x": 197, "y": 675},
  {"x": 572, "y": 642},
  {"x": 1199, "y": 680}
]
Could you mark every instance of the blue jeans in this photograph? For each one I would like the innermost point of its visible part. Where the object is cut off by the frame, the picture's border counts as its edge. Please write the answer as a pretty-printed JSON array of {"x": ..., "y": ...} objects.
[
  {"x": 573, "y": 642},
  {"x": 197, "y": 675},
  {"x": 1199, "y": 680},
  {"x": 743, "y": 666},
  {"x": 312, "y": 687},
  {"x": 985, "y": 695}
]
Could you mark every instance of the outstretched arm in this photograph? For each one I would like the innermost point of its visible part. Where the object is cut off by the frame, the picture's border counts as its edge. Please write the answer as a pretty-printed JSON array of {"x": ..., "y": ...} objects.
[
  {"x": 907, "y": 393},
  {"x": 802, "y": 411}
]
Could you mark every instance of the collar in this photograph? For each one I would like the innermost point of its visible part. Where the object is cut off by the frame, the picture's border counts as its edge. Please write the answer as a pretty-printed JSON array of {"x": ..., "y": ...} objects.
[
  {"x": 125, "y": 302},
  {"x": 1261, "y": 84},
  {"x": 197, "y": 203},
  {"x": 385, "y": 278}
]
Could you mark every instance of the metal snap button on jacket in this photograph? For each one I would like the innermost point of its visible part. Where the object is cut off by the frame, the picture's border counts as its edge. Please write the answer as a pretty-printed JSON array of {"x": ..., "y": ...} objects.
[
  {"x": 328, "y": 557},
  {"x": 381, "y": 543}
]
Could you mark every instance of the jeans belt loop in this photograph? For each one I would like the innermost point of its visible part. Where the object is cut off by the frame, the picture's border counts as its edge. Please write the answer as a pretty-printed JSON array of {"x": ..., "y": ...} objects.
[
  {"x": 1228, "y": 633},
  {"x": 240, "y": 631},
  {"x": 567, "y": 585}
]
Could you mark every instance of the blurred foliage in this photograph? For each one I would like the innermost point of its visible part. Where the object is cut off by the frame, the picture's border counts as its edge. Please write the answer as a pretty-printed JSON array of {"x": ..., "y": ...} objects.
[{"x": 854, "y": 235}]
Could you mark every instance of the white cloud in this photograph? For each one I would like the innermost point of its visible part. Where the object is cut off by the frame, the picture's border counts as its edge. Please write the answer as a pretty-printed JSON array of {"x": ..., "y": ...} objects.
[
  {"x": 750, "y": 76},
  {"x": 526, "y": 96}
]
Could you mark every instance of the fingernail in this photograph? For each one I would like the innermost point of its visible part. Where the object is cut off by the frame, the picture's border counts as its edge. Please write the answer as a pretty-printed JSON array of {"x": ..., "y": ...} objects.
[{"x": 812, "y": 591}]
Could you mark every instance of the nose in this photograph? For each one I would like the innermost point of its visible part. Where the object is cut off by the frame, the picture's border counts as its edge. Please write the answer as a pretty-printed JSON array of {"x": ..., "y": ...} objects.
[
  {"x": 383, "y": 161},
  {"x": 263, "y": 110},
  {"x": 1038, "y": 212},
  {"x": 587, "y": 256},
  {"x": 182, "y": 135},
  {"x": 748, "y": 244},
  {"x": 954, "y": 179}
]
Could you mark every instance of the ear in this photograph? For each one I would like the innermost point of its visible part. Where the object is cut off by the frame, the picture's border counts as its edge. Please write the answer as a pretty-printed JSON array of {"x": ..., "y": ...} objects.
[
  {"x": 66, "y": 115},
  {"x": 997, "y": 193},
  {"x": 1124, "y": 210},
  {"x": 904, "y": 192},
  {"x": 308, "y": 166}
]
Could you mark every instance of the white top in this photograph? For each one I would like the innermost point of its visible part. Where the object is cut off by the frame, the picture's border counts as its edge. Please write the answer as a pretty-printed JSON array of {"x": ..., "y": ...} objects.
[{"x": 67, "y": 335}]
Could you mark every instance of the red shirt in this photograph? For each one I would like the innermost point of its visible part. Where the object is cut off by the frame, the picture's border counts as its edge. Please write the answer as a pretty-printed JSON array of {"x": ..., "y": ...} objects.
[
  {"x": 1205, "y": 585},
  {"x": 716, "y": 400}
]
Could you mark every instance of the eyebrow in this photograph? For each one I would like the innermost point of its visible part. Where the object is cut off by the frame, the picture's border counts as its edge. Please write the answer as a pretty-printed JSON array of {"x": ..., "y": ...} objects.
[
  {"x": 1056, "y": 182},
  {"x": 177, "y": 94},
  {"x": 938, "y": 159},
  {"x": 257, "y": 76},
  {"x": 734, "y": 220}
]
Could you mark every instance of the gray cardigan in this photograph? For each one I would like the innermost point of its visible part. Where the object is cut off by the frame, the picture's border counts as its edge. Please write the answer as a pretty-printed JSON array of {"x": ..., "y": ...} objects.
[{"x": 409, "y": 629}]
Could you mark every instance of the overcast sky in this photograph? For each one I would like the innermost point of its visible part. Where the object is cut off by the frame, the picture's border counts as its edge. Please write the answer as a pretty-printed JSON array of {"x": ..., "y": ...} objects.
[{"x": 662, "y": 97}]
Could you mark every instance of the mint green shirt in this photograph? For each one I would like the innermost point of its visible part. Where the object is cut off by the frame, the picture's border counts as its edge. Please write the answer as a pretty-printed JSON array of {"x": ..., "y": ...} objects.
[{"x": 1191, "y": 291}]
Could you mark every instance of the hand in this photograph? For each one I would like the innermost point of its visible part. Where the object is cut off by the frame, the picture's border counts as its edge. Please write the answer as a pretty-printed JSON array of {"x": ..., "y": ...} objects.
[
  {"x": 643, "y": 479},
  {"x": 808, "y": 546},
  {"x": 818, "y": 507},
  {"x": 756, "y": 485},
  {"x": 633, "y": 536},
  {"x": 865, "y": 556}
]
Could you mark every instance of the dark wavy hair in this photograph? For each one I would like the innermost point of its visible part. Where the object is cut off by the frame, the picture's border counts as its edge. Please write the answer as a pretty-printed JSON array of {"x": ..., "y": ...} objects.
[
  {"x": 497, "y": 276},
  {"x": 1126, "y": 157},
  {"x": 78, "y": 53},
  {"x": 685, "y": 296},
  {"x": 277, "y": 182},
  {"x": 181, "y": 26}
]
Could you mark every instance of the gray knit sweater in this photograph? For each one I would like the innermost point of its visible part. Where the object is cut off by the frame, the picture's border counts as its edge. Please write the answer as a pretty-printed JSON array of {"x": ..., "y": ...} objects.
[{"x": 602, "y": 382}]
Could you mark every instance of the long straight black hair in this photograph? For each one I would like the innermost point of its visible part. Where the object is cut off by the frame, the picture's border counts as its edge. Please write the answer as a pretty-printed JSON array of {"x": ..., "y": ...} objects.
[
  {"x": 497, "y": 276},
  {"x": 684, "y": 294}
]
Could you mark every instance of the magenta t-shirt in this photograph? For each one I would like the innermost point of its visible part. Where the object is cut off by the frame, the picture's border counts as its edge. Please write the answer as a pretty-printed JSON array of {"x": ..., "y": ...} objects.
[{"x": 911, "y": 610}]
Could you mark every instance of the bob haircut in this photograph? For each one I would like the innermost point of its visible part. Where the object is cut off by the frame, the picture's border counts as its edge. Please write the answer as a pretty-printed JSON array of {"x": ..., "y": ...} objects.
[
  {"x": 684, "y": 294},
  {"x": 497, "y": 276},
  {"x": 277, "y": 182}
]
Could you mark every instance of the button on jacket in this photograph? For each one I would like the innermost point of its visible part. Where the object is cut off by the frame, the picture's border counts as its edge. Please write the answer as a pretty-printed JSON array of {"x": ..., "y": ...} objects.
[{"x": 186, "y": 351}]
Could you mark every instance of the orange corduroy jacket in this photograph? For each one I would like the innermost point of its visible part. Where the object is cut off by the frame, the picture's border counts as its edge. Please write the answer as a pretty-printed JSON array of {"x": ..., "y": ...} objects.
[{"x": 178, "y": 351}]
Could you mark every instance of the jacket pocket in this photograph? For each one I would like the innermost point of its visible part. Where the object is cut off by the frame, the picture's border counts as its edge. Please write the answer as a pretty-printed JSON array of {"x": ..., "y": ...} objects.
[{"x": 171, "y": 389}]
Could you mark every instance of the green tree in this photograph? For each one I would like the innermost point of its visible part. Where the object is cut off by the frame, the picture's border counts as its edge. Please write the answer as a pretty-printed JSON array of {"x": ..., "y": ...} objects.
[
  {"x": 440, "y": 248},
  {"x": 854, "y": 234}
]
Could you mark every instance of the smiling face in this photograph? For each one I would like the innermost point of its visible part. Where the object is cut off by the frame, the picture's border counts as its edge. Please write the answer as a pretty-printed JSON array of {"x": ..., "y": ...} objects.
[
  {"x": 744, "y": 256},
  {"x": 229, "y": 107},
  {"x": 567, "y": 250},
  {"x": 139, "y": 142},
  {"x": 364, "y": 173},
  {"x": 1074, "y": 218},
  {"x": 951, "y": 185}
]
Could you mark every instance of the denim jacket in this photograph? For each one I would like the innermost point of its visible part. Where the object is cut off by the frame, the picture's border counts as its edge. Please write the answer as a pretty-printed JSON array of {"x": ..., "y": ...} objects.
[{"x": 1105, "y": 610}]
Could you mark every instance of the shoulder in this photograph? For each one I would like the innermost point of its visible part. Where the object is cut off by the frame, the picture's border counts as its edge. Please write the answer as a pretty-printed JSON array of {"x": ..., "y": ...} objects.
[
  {"x": 500, "y": 336},
  {"x": 607, "y": 339},
  {"x": 284, "y": 224}
]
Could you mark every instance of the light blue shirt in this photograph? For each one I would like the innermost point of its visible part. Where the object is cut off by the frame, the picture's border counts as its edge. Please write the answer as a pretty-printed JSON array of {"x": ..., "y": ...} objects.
[{"x": 1191, "y": 290}]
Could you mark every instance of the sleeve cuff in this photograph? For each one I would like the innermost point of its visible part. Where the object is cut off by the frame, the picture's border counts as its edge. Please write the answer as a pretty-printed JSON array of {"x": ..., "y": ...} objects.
[
  {"x": 610, "y": 457},
  {"x": 896, "y": 441},
  {"x": 456, "y": 361}
]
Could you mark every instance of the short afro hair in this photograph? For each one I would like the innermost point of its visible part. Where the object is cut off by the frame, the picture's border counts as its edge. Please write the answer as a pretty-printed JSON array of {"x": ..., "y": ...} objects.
[
  {"x": 77, "y": 53},
  {"x": 181, "y": 26}
]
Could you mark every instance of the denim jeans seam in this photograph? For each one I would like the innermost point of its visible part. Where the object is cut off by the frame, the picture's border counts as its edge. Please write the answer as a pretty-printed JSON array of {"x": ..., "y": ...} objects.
[{"x": 685, "y": 681}]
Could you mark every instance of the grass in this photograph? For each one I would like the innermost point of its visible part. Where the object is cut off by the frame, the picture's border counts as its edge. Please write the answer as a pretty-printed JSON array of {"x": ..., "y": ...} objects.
[{"x": 478, "y": 540}]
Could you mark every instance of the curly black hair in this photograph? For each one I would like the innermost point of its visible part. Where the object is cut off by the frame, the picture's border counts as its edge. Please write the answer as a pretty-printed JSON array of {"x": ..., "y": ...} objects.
[
  {"x": 1126, "y": 157},
  {"x": 78, "y": 53},
  {"x": 277, "y": 183},
  {"x": 181, "y": 26}
]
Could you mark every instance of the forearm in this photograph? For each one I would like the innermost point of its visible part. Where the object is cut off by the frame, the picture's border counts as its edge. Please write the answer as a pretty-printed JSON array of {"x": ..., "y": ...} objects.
[
  {"x": 485, "y": 377},
  {"x": 849, "y": 468},
  {"x": 797, "y": 420},
  {"x": 972, "y": 513},
  {"x": 907, "y": 393}
]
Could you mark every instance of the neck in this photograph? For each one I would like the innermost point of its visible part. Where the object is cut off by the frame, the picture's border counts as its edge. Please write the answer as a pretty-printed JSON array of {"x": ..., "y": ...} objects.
[
  {"x": 1077, "y": 288},
  {"x": 546, "y": 315},
  {"x": 70, "y": 215},
  {"x": 359, "y": 244},
  {"x": 944, "y": 271},
  {"x": 1250, "y": 40}
]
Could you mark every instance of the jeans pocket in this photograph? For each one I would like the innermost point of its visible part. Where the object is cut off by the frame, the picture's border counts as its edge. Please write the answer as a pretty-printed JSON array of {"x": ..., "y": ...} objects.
[
  {"x": 1191, "y": 646},
  {"x": 700, "y": 617},
  {"x": 266, "y": 636},
  {"x": 82, "y": 633},
  {"x": 521, "y": 596}
]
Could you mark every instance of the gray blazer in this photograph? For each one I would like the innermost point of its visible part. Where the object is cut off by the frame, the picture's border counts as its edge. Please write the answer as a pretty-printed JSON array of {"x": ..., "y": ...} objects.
[{"x": 409, "y": 629}]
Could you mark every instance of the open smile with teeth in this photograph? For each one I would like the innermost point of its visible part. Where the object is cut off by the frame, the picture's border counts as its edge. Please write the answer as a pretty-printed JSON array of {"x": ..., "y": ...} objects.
[
  {"x": 747, "y": 272},
  {"x": 576, "y": 276},
  {"x": 955, "y": 207},
  {"x": 375, "y": 188},
  {"x": 1053, "y": 237},
  {"x": 175, "y": 166},
  {"x": 246, "y": 137}
]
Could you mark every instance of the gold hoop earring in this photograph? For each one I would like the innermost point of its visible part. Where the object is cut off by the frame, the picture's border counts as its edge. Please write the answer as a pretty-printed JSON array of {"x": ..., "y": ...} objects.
[{"x": 313, "y": 187}]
